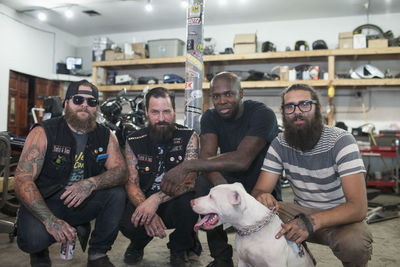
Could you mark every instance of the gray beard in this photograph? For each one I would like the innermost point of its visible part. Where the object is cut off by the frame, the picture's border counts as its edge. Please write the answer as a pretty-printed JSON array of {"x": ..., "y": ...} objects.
[
  {"x": 85, "y": 125},
  {"x": 305, "y": 138}
]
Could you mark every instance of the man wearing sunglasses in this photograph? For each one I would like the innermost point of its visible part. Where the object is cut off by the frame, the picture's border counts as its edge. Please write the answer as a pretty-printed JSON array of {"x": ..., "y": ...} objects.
[
  {"x": 326, "y": 172},
  {"x": 70, "y": 172}
]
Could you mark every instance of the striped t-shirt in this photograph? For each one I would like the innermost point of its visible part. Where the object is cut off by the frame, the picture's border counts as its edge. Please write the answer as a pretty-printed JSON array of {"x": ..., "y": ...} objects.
[{"x": 315, "y": 175}]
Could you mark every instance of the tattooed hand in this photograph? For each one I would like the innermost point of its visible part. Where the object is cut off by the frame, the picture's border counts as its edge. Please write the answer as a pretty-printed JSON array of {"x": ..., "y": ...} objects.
[
  {"x": 295, "y": 230},
  {"x": 172, "y": 179},
  {"x": 156, "y": 228},
  {"x": 59, "y": 229},
  {"x": 78, "y": 192},
  {"x": 146, "y": 210}
]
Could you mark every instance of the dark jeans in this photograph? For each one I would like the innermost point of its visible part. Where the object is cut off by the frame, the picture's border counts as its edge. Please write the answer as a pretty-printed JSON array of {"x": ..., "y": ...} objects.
[
  {"x": 175, "y": 213},
  {"x": 217, "y": 238},
  {"x": 106, "y": 206}
]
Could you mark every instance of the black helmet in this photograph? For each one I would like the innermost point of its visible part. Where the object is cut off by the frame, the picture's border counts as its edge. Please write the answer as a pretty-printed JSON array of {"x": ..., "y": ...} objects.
[
  {"x": 268, "y": 47},
  {"x": 319, "y": 44},
  {"x": 299, "y": 44}
]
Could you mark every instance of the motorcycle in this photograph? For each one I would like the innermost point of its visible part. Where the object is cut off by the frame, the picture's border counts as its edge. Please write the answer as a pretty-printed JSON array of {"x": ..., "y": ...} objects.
[{"x": 123, "y": 115}]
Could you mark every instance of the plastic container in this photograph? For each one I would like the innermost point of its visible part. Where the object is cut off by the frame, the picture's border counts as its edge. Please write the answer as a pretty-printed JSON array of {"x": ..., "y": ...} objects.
[{"x": 166, "y": 48}]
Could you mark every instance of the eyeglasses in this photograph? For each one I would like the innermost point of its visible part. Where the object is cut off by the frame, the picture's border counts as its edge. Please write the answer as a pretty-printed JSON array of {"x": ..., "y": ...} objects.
[
  {"x": 304, "y": 106},
  {"x": 78, "y": 100}
]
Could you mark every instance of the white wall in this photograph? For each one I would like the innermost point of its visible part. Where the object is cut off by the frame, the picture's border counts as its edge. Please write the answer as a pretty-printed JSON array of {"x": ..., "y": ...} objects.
[
  {"x": 35, "y": 52},
  {"x": 28, "y": 47}
]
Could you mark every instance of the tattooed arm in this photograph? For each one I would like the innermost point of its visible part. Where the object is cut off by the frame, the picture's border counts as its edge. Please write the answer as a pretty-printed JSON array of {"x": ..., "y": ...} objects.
[
  {"x": 147, "y": 209},
  {"x": 29, "y": 166},
  {"x": 114, "y": 176}
]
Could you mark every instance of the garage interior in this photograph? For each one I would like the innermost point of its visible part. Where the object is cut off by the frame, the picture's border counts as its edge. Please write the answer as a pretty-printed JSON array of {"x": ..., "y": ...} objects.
[{"x": 348, "y": 50}]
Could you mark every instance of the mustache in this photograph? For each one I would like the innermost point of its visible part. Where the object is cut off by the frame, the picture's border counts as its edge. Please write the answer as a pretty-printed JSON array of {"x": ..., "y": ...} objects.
[
  {"x": 298, "y": 116},
  {"x": 162, "y": 123}
]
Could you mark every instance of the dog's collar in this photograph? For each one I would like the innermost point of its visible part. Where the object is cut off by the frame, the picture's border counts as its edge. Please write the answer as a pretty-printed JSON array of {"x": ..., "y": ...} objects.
[{"x": 247, "y": 230}]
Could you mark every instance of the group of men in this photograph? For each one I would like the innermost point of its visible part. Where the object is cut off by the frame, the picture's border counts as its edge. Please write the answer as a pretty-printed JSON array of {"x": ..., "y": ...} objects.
[{"x": 71, "y": 172}]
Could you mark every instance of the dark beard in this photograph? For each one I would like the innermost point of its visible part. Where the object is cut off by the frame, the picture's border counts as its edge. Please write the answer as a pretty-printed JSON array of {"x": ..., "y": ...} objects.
[
  {"x": 86, "y": 125},
  {"x": 161, "y": 135},
  {"x": 304, "y": 138}
]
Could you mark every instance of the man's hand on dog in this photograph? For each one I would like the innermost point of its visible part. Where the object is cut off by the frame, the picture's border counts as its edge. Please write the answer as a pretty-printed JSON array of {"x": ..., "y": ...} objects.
[
  {"x": 295, "y": 230},
  {"x": 268, "y": 200}
]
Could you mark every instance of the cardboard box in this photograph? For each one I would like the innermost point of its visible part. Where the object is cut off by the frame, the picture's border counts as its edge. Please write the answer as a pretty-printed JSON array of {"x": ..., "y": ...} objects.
[
  {"x": 247, "y": 38},
  {"x": 135, "y": 51},
  {"x": 245, "y": 48},
  {"x": 345, "y": 40},
  {"x": 359, "y": 41},
  {"x": 378, "y": 43},
  {"x": 111, "y": 55},
  {"x": 245, "y": 43},
  {"x": 166, "y": 48}
]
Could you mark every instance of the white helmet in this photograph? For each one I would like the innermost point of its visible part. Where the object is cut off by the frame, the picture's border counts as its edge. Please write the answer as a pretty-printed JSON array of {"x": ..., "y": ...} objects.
[{"x": 367, "y": 71}]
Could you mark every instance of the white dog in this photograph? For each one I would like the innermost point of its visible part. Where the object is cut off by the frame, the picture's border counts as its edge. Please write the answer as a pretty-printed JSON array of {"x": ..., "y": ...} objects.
[{"x": 257, "y": 226}]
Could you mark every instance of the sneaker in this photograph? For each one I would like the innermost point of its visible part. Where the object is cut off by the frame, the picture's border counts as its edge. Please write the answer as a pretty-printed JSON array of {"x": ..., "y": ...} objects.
[
  {"x": 132, "y": 255},
  {"x": 178, "y": 260},
  {"x": 220, "y": 263},
  {"x": 100, "y": 262},
  {"x": 40, "y": 259}
]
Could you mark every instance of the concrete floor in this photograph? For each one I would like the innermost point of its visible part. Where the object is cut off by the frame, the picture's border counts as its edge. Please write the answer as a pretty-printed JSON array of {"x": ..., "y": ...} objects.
[{"x": 386, "y": 249}]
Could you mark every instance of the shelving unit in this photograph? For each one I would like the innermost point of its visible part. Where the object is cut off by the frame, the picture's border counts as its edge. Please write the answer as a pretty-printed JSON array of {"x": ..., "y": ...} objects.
[{"x": 330, "y": 56}]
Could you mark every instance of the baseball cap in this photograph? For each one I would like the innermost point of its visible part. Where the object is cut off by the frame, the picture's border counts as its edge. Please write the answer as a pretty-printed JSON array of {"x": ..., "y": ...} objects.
[{"x": 73, "y": 89}]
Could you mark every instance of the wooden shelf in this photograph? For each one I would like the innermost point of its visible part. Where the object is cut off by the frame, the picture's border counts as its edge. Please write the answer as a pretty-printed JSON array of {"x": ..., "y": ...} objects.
[{"x": 330, "y": 56}]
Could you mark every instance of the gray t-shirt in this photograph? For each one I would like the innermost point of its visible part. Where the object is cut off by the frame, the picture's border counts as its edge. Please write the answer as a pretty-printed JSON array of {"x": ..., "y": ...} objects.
[
  {"x": 77, "y": 173},
  {"x": 315, "y": 175}
]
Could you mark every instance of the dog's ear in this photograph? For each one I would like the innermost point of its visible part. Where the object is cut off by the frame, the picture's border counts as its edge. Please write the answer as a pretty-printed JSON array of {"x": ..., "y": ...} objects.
[{"x": 234, "y": 197}]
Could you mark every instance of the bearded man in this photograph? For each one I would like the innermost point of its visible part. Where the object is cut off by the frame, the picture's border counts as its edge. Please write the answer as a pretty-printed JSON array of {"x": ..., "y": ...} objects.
[
  {"x": 70, "y": 172},
  {"x": 326, "y": 172},
  {"x": 150, "y": 152}
]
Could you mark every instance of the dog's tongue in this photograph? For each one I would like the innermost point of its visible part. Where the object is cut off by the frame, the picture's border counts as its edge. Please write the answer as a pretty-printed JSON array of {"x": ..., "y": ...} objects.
[{"x": 198, "y": 225}]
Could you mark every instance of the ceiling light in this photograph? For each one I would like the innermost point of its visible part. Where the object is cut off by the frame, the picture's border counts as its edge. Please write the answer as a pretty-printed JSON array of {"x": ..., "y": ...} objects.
[
  {"x": 69, "y": 14},
  {"x": 42, "y": 16},
  {"x": 223, "y": 2},
  {"x": 184, "y": 4},
  {"x": 148, "y": 6}
]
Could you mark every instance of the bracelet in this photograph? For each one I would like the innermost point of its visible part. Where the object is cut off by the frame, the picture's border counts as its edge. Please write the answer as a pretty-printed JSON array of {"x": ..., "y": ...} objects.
[{"x": 307, "y": 222}]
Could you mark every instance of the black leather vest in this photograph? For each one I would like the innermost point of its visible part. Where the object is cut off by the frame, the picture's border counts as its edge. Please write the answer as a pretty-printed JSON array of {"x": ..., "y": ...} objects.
[
  {"x": 147, "y": 154},
  {"x": 60, "y": 155}
]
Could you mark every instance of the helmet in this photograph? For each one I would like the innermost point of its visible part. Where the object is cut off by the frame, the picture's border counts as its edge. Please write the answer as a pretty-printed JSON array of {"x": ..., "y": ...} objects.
[
  {"x": 367, "y": 71},
  {"x": 268, "y": 47},
  {"x": 319, "y": 44},
  {"x": 299, "y": 44}
]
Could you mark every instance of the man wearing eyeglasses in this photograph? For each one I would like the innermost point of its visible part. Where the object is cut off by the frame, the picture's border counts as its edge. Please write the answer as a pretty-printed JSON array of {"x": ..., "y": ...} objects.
[
  {"x": 70, "y": 172},
  {"x": 326, "y": 172}
]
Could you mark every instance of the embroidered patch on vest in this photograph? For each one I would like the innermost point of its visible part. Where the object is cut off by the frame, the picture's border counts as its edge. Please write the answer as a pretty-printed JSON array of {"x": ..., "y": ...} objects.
[
  {"x": 146, "y": 158},
  {"x": 178, "y": 140},
  {"x": 62, "y": 149}
]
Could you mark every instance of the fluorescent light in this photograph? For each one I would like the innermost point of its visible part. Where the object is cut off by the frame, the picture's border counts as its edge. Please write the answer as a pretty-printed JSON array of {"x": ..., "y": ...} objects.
[
  {"x": 42, "y": 16},
  {"x": 184, "y": 4},
  {"x": 223, "y": 2},
  {"x": 148, "y": 6},
  {"x": 69, "y": 14}
]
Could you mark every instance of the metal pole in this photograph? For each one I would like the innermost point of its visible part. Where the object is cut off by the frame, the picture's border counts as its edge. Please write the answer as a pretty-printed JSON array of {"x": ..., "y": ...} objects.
[{"x": 194, "y": 65}]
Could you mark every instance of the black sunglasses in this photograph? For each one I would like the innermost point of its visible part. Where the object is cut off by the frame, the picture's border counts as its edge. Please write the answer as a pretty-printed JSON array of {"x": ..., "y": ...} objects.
[{"x": 78, "y": 100}]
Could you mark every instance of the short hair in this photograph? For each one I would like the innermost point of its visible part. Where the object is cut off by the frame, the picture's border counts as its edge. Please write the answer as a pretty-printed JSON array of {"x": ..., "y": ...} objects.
[
  {"x": 160, "y": 92},
  {"x": 229, "y": 76},
  {"x": 303, "y": 87}
]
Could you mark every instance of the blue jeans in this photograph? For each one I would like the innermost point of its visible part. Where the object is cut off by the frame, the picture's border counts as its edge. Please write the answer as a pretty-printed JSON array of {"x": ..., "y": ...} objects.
[{"x": 106, "y": 206}]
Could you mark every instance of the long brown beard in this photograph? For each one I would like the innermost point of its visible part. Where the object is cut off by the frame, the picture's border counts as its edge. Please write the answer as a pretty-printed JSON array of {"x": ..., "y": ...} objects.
[
  {"x": 303, "y": 138},
  {"x": 86, "y": 125},
  {"x": 161, "y": 134}
]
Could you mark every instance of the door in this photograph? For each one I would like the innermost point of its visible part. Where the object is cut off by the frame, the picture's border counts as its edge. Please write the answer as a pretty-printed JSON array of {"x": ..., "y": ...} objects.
[{"x": 18, "y": 104}]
